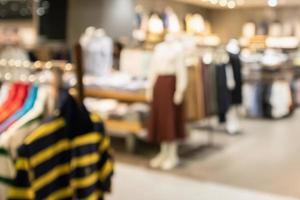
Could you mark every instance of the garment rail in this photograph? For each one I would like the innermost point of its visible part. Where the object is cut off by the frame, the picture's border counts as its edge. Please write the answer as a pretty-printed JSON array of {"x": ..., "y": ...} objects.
[{"x": 45, "y": 132}]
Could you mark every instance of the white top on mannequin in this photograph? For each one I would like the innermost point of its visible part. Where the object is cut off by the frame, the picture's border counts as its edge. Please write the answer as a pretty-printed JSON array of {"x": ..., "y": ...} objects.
[
  {"x": 191, "y": 52},
  {"x": 168, "y": 59},
  {"x": 173, "y": 21},
  {"x": 87, "y": 35},
  {"x": 100, "y": 32},
  {"x": 97, "y": 51},
  {"x": 233, "y": 46}
]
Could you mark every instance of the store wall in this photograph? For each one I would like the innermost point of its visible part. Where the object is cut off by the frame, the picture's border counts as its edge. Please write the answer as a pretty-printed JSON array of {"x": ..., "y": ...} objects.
[
  {"x": 53, "y": 23},
  {"x": 228, "y": 23},
  {"x": 116, "y": 16}
]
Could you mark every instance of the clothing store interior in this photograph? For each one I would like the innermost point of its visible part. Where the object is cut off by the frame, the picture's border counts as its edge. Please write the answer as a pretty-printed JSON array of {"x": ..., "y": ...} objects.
[{"x": 149, "y": 99}]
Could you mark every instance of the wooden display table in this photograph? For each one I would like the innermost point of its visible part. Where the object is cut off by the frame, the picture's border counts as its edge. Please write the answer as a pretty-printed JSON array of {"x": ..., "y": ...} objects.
[
  {"x": 128, "y": 129},
  {"x": 123, "y": 96}
]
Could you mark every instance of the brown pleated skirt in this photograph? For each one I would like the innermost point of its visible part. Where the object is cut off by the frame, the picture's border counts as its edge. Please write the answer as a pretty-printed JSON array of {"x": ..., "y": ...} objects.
[{"x": 166, "y": 122}]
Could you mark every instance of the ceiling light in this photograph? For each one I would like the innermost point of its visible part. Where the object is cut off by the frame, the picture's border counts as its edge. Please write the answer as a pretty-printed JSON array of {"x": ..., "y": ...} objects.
[
  {"x": 272, "y": 3},
  {"x": 231, "y": 4},
  {"x": 223, "y": 3}
]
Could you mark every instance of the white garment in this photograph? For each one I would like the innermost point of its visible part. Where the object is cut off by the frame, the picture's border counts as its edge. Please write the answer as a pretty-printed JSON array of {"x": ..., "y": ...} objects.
[
  {"x": 11, "y": 139},
  {"x": 248, "y": 96},
  {"x": 104, "y": 107},
  {"x": 273, "y": 58},
  {"x": 233, "y": 46},
  {"x": 8, "y": 139},
  {"x": 3, "y": 191},
  {"x": 230, "y": 77},
  {"x": 4, "y": 92},
  {"x": 168, "y": 59},
  {"x": 281, "y": 99},
  {"x": 14, "y": 53},
  {"x": 135, "y": 62},
  {"x": 173, "y": 24},
  {"x": 282, "y": 42},
  {"x": 97, "y": 55},
  {"x": 7, "y": 167}
]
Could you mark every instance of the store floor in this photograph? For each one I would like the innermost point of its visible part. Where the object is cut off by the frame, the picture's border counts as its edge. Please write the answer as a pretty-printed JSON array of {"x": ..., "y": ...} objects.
[
  {"x": 135, "y": 183},
  {"x": 265, "y": 158}
]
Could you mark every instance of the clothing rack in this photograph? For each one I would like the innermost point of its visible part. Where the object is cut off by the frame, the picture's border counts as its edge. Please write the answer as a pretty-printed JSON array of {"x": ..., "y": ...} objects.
[
  {"x": 219, "y": 56},
  {"x": 57, "y": 68},
  {"x": 130, "y": 130},
  {"x": 72, "y": 116},
  {"x": 78, "y": 60}
]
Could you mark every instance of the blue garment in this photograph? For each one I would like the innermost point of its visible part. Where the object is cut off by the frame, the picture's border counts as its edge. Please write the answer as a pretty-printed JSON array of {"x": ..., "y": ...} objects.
[
  {"x": 29, "y": 103},
  {"x": 257, "y": 102}
]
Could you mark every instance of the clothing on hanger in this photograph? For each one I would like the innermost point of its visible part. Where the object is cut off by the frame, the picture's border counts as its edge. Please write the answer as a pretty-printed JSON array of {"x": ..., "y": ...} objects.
[
  {"x": 98, "y": 55},
  {"x": 268, "y": 99},
  {"x": 71, "y": 150},
  {"x": 11, "y": 138},
  {"x": 13, "y": 104},
  {"x": 22, "y": 111},
  {"x": 194, "y": 95},
  {"x": 223, "y": 93},
  {"x": 66, "y": 149},
  {"x": 236, "y": 93}
]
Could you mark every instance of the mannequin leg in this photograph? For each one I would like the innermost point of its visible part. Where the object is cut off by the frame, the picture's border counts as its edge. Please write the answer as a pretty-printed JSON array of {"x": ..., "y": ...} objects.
[
  {"x": 233, "y": 123},
  {"x": 172, "y": 159},
  {"x": 157, "y": 160}
]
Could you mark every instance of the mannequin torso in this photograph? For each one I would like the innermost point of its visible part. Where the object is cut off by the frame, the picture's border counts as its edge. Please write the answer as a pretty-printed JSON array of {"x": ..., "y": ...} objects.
[
  {"x": 168, "y": 59},
  {"x": 98, "y": 50}
]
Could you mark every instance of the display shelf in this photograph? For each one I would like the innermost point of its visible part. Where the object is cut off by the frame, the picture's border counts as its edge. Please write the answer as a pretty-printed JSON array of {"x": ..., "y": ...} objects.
[
  {"x": 117, "y": 125},
  {"x": 123, "y": 96},
  {"x": 123, "y": 127}
]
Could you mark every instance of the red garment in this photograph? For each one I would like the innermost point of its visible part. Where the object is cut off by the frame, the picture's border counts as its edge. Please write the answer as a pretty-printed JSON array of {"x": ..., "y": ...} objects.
[
  {"x": 167, "y": 120},
  {"x": 11, "y": 96},
  {"x": 14, "y": 104}
]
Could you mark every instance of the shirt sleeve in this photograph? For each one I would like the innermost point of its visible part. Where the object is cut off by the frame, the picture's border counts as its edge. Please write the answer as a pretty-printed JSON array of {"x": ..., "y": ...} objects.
[
  {"x": 181, "y": 73},
  {"x": 107, "y": 164},
  {"x": 22, "y": 185},
  {"x": 106, "y": 167}
]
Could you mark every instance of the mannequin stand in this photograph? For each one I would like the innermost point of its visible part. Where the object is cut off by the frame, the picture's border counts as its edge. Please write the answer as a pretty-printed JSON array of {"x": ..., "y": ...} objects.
[
  {"x": 168, "y": 158},
  {"x": 233, "y": 123}
]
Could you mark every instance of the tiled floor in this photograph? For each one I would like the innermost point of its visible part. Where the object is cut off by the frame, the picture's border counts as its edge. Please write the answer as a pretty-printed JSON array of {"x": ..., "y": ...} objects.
[
  {"x": 265, "y": 158},
  {"x": 135, "y": 183}
]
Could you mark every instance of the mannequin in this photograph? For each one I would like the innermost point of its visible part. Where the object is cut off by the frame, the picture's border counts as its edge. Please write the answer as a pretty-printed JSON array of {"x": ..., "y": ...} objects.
[
  {"x": 165, "y": 91},
  {"x": 195, "y": 23},
  {"x": 171, "y": 21},
  {"x": 87, "y": 35},
  {"x": 97, "y": 51},
  {"x": 100, "y": 33},
  {"x": 84, "y": 41},
  {"x": 233, "y": 46},
  {"x": 234, "y": 84}
]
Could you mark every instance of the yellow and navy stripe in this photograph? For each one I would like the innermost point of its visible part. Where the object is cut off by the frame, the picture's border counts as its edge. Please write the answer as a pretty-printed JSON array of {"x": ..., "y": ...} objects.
[{"x": 55, "y": 165}]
